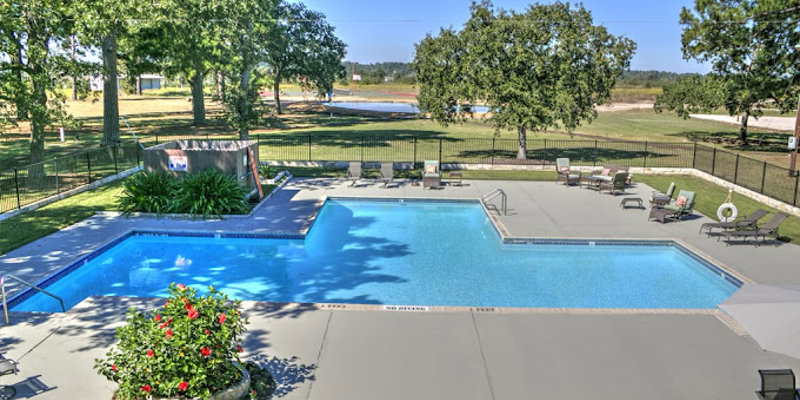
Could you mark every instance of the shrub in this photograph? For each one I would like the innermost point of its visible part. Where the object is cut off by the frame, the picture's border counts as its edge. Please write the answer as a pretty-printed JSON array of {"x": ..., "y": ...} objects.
[
  {"x": 184, "y": 349},
  {"x": 211, "y": 193},
  {"x": 262, "y": 384},
  {"x": 148, "y": 192}
]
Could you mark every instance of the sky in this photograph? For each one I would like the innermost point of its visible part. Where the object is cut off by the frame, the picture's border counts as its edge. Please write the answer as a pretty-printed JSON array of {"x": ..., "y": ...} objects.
[{"x": 386, "y": 30}]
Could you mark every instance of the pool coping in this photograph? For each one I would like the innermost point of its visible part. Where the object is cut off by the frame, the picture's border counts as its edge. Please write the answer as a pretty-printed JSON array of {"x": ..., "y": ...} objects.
[{"x": 729, "y": 274}]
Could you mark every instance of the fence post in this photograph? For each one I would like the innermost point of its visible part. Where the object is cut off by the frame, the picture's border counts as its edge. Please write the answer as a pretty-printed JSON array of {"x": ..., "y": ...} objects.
[
  {"x": 362, "y": 149},
  {"x": 309, "y": 148},
  {"x": 138, "y": 161},
  {"x": 440, "y": 153},
  {"x": 736, "y": 169},
  {"x": 763, "y": 176},
  {"x": 796, "y": 182},
  {"x": 89, "y": 166},
  {"x": 16, "y": 186},
  {"x": 694, "y": 156},
  {"x": 713, "y": 161},
  {"x": 55, "y": 166},
  {"x": 493, "y": 140},
  {"x": 414, "y": 166},
  {"x": 594, "y": 161},
  {"x": 644, "y": 162},
  {"x": 156, "y": 138},
  {"x": 114, "y": 154}
]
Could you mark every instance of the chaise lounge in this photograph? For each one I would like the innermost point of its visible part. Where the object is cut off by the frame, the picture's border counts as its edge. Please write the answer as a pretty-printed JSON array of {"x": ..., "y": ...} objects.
[
  {"x": 777, "y": 384},
  {"x": 769, "y": 229},
  {"x": 746, "y": 222},
  {"x": 431, "y": 176},
  {"x": 7, "y": 367},
  {"x": 354, "y": 172},
  {"x": 387, "y": 173}
]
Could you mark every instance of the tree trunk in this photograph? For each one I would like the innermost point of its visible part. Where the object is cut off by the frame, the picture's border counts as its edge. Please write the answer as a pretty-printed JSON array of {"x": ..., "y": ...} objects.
[
  {"x": 522, "y": 151},
  {"x": 244, "y": 107},
  {"x": 22, "y": 108},
  {"x": 74, "y": 78},
  {"x": 219, "y": 82},
  {"x": 276, "y": 92},
  {"x": 38, "y": 111},
  {"x": 743, "y": 126},
  {"x": 138, "y": 85},
  {"x": 110, "y": 100},
  {"x": 198, "y": 102}
]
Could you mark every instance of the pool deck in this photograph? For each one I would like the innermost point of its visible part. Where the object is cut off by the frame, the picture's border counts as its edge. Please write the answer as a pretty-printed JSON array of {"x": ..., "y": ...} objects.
[{"x": 319, "y": 353}]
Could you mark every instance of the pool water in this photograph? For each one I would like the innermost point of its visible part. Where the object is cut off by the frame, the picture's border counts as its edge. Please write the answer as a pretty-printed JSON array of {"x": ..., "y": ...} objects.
[{"x": 399, "y": 253}]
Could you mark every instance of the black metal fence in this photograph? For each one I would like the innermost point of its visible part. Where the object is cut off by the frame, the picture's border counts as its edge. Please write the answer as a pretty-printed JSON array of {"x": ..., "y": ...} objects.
[
  {"x": 25, "y": 185},
  {"x": 31, "y": 183}
]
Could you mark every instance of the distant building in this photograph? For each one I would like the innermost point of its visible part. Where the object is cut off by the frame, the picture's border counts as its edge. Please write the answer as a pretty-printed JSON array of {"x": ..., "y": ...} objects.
[{"x": 148, "y": 81}]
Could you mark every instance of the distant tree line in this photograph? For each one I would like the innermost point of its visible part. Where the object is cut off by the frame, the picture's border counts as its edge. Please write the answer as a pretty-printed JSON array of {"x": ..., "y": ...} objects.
[
  {"x": 243, "y": 45},
  {"x": 650, "y": 79}
]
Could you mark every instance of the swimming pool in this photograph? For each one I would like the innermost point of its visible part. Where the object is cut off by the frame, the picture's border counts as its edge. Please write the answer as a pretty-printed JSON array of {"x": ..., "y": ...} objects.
[{"x": 398, "y": 252}]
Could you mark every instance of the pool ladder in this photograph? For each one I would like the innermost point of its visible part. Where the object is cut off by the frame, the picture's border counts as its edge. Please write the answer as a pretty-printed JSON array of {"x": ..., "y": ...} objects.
[
  {"x": 503, "y": 199},
  {"x": 26, "y": 283}
]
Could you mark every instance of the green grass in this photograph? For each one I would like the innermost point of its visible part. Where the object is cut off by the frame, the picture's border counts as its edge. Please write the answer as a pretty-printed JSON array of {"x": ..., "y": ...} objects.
[
  {"x": 27, "y": 227},
  {"x": 710, "y": 196},
  {"x": 319, "y": 172}
]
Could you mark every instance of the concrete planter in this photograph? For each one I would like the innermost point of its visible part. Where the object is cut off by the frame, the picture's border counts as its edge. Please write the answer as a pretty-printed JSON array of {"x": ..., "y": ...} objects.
[{"x": 235, "y": 392}]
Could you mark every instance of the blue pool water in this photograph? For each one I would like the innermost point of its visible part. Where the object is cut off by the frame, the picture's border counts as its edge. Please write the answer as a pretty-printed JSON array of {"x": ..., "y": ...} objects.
[
  {"x": 401, "y": 253},
  {"x": 409, "y": 108}
]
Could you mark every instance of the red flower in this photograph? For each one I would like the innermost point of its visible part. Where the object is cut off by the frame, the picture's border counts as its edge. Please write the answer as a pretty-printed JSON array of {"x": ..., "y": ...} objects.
[
  {"x": 169, "y": 334},
  {"x": 188, "y": 306},
  {"x": 181, "y": 286},
  {"x": 163, "y": 325},
  {"x": 158, "y": 318},
  {"x": 150, "y": 353},
  {"x": 205, "y": 351},
  {"x": 183, "y": 386},
  {"x": 192, "y": 313},
  {"x": 207, "y": 332},
  {"x": 114, "y": 368},
  {"x": 222, "y": 318},
  {"x": 147, "y": 388},
  {"x": 239, "y": 347}
]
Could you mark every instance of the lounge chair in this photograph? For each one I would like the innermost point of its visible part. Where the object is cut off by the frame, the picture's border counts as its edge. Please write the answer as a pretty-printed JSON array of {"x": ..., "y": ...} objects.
[
  {"x": 617, "y": 183},
  {"x": 431, "y": 175},
  {"x": 387, "y": 173},
  {"x": 746, "y": 222},
  {"x": 777, "y": 384},
  {"x": 7, "y": 367},
  {"x": 658, "y": 199},
  {"x": 563, "y": 172},
  {"x": 769, "y": 229},
  {"x": 354, "y": 172},
  {"x": 684, "y": 205}
]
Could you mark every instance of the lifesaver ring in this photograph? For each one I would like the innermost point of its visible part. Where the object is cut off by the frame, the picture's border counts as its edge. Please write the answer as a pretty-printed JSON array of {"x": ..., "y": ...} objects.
[{"x": 729, "y": 207}]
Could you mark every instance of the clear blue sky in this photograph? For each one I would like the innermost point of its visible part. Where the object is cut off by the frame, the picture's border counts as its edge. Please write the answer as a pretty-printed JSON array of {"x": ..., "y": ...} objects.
[{"x": 386, "y": 30}]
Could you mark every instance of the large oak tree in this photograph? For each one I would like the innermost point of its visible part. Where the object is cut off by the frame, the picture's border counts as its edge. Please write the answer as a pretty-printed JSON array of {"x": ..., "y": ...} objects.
[{"x": 545, "y": 67}]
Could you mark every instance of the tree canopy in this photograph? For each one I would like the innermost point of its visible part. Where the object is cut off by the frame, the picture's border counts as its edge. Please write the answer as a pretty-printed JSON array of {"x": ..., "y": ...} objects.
[
  {"x": 545, "y": 67},
  {"x": 750, "y": 45}
]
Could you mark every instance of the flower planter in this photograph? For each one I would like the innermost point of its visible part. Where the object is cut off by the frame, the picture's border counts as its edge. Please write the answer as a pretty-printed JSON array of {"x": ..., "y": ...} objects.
[{"x": 235, "y": 392}]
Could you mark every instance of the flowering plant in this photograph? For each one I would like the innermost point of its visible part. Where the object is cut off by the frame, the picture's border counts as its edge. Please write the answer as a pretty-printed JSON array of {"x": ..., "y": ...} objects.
[{"x": 184, "y": 349}]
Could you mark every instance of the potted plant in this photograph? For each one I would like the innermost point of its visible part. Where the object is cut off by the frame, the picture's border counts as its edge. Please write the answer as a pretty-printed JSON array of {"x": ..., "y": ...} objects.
[{"x": 187, "y": 349}]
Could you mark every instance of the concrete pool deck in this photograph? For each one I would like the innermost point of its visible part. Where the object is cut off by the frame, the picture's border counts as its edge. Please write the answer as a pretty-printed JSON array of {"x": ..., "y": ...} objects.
[{"x": 347, "y": 354}]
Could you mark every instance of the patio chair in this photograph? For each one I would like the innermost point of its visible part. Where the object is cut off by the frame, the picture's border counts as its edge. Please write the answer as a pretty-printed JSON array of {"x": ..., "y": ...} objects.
[
  {"x": 746, "y": 222},
  {"x": 7, "y": 367},
  {"x": 431, "y": 175},
  {"x": 617, "y": 183},
  {"x": 684, "y": 205},
  {"x": 563, "y": 172},
  {"x": 777, "y": 384},
  {"x": 354, "y": 172},
  {"x": 769, "y": 229},
  {"x": 387, "y": 173},
  {"x": 658, "y": 199}
]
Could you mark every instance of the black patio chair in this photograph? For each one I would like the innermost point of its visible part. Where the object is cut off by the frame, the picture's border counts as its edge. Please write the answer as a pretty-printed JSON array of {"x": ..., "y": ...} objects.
[{"x": 777, "y": 384}]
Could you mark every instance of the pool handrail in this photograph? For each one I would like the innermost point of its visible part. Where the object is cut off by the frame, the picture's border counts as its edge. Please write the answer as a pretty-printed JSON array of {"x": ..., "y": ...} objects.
[
  {"x": 26, "y": 283},
  {"x": 495, "y": 193}
]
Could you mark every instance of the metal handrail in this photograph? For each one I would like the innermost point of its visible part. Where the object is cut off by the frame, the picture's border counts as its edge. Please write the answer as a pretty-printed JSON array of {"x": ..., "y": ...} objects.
[
  {"x": 504, "y": 199},
  {"x": 134, "y": 135},
  {"x": 26, "y": 283}
]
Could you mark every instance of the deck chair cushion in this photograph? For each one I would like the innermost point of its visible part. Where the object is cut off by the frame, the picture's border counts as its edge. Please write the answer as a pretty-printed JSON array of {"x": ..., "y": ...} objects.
[
  {"x": 605, "y": 172},
  {"x": 681, "y": 201},
  {"x": 430, "y": 169}
]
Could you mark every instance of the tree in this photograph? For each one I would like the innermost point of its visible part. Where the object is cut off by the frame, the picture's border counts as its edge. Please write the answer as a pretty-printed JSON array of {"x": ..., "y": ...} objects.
[
  {"x": 692, "y": 94},
  {"x": 302, "y": 43},
  {"x": 32, "y": 64},
  {"x": 546, "y": 67},
  {"x": 103, "y": 23},
  {"x": 750, "y": 45}
]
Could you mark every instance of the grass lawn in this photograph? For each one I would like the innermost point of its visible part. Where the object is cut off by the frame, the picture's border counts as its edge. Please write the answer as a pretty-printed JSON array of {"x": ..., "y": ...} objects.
[
  {"x": 318, "y": 172},
  {"x": 710, "y": 196},
  {"x": 27, "y": 227}
]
